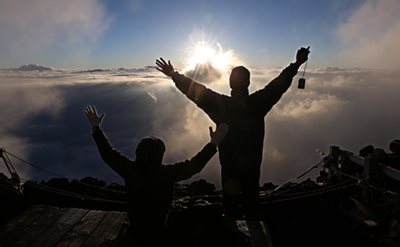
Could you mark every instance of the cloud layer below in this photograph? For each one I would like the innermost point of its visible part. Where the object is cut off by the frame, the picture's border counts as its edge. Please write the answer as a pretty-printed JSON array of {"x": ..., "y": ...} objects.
[{"x": 45, "y": 124}]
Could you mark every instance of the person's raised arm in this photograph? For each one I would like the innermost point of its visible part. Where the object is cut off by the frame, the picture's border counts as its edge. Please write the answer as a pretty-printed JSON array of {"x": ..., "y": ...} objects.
[
  {"x": 187, "y": 169},
  {"x": 271, "y": 93},
  {"x": 110, "y": 155},
  {"x": 198, "y": 93}
]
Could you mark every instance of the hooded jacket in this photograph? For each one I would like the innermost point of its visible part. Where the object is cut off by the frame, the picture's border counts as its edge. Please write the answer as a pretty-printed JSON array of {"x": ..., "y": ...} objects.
[
  {"x": 242, "y": 146},
  {"x": 149, "y": 186}
]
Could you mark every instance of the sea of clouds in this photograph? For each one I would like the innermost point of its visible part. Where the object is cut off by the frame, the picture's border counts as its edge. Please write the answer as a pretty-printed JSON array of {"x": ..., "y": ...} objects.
[{"x": 43, "y": 122}]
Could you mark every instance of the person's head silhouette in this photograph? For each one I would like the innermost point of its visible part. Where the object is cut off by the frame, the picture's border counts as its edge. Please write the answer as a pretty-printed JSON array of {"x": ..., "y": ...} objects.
[
  {"x": 240, "y": 78},
  {"x": 150, "y": 151}
]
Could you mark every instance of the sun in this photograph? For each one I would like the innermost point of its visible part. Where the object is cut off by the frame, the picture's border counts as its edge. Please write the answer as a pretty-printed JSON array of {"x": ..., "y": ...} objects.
[{"x": 204, "y": 53}]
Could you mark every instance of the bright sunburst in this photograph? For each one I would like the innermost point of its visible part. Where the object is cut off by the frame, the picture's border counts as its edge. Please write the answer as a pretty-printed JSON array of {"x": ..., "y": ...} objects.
[{"x": 204, "y": 53}]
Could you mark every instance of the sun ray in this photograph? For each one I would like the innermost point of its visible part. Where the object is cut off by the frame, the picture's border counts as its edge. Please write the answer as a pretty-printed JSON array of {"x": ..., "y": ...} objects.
[{"x": 204, "y": 53}]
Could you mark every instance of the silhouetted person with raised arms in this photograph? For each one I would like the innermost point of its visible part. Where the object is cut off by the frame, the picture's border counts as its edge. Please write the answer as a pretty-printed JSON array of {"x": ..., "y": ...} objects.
[
  {"x": 240, "y": 153},
  {"x": 149, "y": 183}
]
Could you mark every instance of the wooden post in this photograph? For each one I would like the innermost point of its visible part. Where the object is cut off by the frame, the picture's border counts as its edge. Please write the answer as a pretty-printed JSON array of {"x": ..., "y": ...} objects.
[
  {"x": 373, "y": 177},
  {"x": 333, "y": 163},
  {"x": 367, "y": 172}
]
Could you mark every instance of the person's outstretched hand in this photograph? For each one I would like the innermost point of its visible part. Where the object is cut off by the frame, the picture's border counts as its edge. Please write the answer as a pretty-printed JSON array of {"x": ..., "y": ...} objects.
[
  {"x": 219, "y": 134},
  {"x": 93, "y": 118},
  {"x": 302, "y": 55},
  {"x": 165, "y": 67}
]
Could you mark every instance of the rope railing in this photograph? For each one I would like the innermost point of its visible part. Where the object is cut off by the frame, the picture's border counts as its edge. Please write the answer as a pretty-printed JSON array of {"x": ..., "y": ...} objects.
[
  {"x": 352, "y": 181},
  {"x": 71, "y": 194},
  {"x": 60, "y": 176},
  {"x": 327, "y": 190}
]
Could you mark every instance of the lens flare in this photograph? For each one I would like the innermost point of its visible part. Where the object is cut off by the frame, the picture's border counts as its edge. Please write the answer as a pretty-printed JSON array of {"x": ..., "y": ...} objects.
[{"x": 205, "y": 53}]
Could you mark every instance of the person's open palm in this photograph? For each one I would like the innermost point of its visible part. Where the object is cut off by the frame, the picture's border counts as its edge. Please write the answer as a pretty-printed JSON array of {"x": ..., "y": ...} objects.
[
  {"x": 94, "y": 119},
  {"x": 165, "y": 67}
]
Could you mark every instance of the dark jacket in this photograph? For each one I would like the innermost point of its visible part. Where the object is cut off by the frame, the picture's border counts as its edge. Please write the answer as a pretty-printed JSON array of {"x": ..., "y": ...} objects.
[
  {"x": 242, "y": 146},
  {"x": 150, "y": 188}
]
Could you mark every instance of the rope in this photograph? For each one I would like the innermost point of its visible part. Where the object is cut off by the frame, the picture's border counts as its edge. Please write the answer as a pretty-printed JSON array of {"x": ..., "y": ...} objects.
[
  {"x": 299, "y": 176},
  {"x": 31, "y": 164},
  {"x": 71, "y": 194},
  {"x": 316, "y": 190},
  {"x": 60, "y": 176},
  {"x": 310, "y": 194},
  {"x": 292, "y": 196},
  {"x": 304, "y": 71}
]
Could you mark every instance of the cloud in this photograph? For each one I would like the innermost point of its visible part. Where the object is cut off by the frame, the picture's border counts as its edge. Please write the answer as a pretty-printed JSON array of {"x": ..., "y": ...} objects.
[
  {"x": 20, "y": 104},
  {"x": 204, "y": 72},
  {"x": 207, "y": 61},
  {"x": 45, "y": 123},
  {"x": 370, "y": 36},
  {"x": 347, "y": 108},
  {"x": 32, "y": 27}
]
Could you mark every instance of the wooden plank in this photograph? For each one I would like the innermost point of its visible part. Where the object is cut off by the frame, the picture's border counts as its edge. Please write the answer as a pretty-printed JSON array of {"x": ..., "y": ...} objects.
[
  {"x": 23, "y": 220},
  {"x": 391, "y": 172},
  {"x": 111, "y": 220},
  {"x": 80, "y": 232},
  {"x": 357, "y": 160},
  {"x": 61, "y": 227},
  {"x": 386, "y": 170},
  {"x": 22, "y": 224},
  {"x": 39, "y": 227},
  {"x": 113, "y": 233}
]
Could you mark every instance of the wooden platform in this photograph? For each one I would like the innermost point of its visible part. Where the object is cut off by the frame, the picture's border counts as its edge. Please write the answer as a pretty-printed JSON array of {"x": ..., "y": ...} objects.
[{"x": 42, "y": 225}]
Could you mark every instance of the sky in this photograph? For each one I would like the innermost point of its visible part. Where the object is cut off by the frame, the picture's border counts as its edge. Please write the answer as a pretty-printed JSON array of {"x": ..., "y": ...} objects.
[
  {"x": 350, "y": 99},
  {"x": 133, "y": 33}
]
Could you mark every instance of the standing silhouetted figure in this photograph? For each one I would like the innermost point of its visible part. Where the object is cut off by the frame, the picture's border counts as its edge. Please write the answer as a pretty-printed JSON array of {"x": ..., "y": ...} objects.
[
  {"x": 149, "y": 183},
  {"x": 240, "y": 152}
]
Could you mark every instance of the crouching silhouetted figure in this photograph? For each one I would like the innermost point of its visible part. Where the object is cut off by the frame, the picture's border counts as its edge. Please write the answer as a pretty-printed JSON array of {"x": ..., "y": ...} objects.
[{"x": 149, "y": 183}]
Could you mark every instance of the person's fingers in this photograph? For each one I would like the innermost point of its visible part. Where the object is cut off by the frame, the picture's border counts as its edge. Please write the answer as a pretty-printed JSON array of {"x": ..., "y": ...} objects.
[
  {"x": 102, "y": 116},
  {"x": 169, "y": 63},
  {"x": 159, "y": 69},
  {"x": 90, "y": 109},
  {"x": 162, "y": 59},
  {"x": 94, "y": 110},
  {"x": 211, "y": 130}
]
